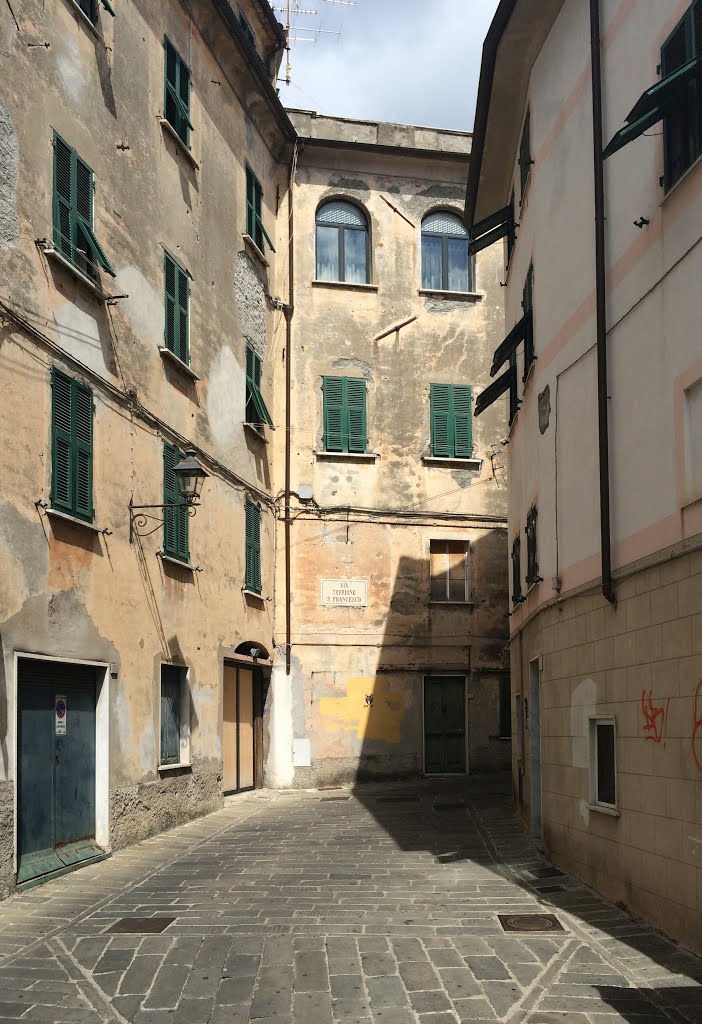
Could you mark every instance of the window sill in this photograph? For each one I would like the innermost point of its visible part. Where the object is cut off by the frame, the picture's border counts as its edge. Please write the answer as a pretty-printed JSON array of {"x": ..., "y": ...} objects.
[
  {"x": 474, "y": 465},
  {"x": 182, "y": 765},
  {"x": 345, "y": 284},
  {"x": 613, "y": 812},
  {"x": 360, "y": 456},
  {"x": 252, "y": 593},
  {"x": 171, "y": 357},
  {"x": 258, "y": 253},
  {"x": 443, "y": 293},
  {"x": 84, "y": 18},
  {"x": 53, "y": 513},
  {"x": 674, "y": 188},
  {"x": 93, "y": 286},
  {"x": 252, "y": 429},
  {"x": 459, "y": 604},
  {"x": 170, "y": 130},
  {"x": 171, "y": 560}
]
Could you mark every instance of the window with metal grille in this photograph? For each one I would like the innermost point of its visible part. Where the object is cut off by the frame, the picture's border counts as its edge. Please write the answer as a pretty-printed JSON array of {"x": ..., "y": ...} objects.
[
  {"x": 517, "y": 570},
  {"x": 450, "y": 408},
  {"x": 254, "y": 205},
  {"x": 252, "y": 578},
  {"x": 450, "y": 570},
  {"x": 175, "y": 515},
  {"x": 603, "y": 763},
  {"x": 525, "y": 160},
  {"x": 174, "y": 713},
  {"x": 74, "y": 236},
  {"x": 177, "y": 92},
  {"x": 256, "y": 409},
  {"x": 532, "y": 573},
  {"x": 446, "y": 262},
  {"x": 177, "y": 299},
  {"x": 342, "y": 243},
  {"x": 344, "y": 402},
  {"x": 71, "y": 447}
]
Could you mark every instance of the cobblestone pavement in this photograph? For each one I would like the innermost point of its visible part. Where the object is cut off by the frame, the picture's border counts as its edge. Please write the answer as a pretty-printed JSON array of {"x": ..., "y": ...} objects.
[{"x": 312, "y": 908}]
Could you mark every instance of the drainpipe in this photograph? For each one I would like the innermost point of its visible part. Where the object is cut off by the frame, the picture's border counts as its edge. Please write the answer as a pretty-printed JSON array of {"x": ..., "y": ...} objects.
[
  {"x": 601, "y": 305},
  {"x": 288, "y": 311}
]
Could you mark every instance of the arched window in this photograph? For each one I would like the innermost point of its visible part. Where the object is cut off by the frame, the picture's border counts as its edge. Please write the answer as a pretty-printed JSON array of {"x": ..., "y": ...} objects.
[
  {"x": 445, "y": 259},
  {"x": 342, "y": 243}
]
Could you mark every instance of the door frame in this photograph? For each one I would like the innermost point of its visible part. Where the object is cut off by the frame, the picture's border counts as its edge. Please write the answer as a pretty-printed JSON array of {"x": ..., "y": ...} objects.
[
  {"x": 446, "y": 675},
  {"x": 536, "y": 820},
  {"x": 102, "y": 745},
  {"x": 257, "y": 685}
]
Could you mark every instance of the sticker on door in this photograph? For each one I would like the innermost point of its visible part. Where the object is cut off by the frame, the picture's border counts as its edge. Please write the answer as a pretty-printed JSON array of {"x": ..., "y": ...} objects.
[{"x": 60, "y": 714}]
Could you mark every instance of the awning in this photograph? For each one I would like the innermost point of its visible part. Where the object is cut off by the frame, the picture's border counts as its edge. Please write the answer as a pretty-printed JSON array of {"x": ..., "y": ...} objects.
[{"x": 653, "y": 104}]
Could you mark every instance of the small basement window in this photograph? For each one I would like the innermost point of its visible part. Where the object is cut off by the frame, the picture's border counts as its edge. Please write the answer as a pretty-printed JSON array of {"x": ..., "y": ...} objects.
[
  {"x": 175, "y": 717},
  {"x": 603, "y": 763}
]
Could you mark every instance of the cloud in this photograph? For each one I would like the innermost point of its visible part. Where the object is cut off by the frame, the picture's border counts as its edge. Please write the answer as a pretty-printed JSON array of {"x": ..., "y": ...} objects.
[{"x": 410, "y": 61}]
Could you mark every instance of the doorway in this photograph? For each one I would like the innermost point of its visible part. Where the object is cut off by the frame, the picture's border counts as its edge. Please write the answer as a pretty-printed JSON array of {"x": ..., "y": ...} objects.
[
  {"x": 242, "y": 729},
  {"x": 445, "y": 725},
  {"x": 534, "y": 724},
  {"x": 56, "y": 767}
]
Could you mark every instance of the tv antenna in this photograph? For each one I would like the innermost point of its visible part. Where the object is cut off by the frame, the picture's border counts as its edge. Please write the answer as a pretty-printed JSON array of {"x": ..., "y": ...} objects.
[{"x": 292, "y": 9}]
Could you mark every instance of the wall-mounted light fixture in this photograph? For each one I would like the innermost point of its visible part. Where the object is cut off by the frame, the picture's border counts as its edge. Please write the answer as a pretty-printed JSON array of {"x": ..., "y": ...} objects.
[{"x": 190, "y": 476}]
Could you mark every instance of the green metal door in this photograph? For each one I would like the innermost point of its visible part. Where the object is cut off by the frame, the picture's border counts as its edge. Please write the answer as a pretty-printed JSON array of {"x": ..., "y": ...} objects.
[
  {"x": 444, "y": 725},
  {"x": 56, "y": 753}
]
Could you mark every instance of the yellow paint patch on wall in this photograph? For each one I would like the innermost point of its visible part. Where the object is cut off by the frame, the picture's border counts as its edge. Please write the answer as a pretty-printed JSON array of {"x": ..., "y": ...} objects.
[{"x": 373, "y": 707}]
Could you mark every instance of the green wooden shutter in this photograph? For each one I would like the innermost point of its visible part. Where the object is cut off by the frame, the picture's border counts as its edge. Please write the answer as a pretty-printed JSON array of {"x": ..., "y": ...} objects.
[
  {"x": 525, "y": 154},
  {"x": 182, "y": 333},
  {"x": 333, "y": 396},
  {"x": 177, "y": 92},
  {"x": 175, "y": 520},
  {"x": 170, "y": 714},
  {"x": 462, "y": 421},
  {"x": 83, "y": 435},
  {"x": 356, "y": 414},
  {"x": 171, "y": 302},
  {"x": 256, "y": 408},
  {"x": 62, "y": 451},
  {"x": 440, "y": 413},
  {"x": 63, "y": 197},
  {"x": 177, "y": 299},
  {"x": 252, "y": 580},
  {"x": 250, "y": 203}
]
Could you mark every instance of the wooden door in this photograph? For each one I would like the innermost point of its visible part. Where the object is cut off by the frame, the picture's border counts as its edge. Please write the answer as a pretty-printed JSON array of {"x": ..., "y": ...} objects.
[
  {"x": 246, "y": 729},
  {"x": 229, "y": 731},
  {"x": 444, "y": 725}
]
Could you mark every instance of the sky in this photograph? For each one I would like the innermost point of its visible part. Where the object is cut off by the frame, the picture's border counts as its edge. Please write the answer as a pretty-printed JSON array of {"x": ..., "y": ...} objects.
[{"x": 409, "y": 61}]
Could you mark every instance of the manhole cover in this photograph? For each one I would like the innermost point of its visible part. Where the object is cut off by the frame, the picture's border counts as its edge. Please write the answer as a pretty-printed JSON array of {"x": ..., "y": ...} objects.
[
  {"x": 530, "y": 923},
  {"x": 136, "y": 925},
  {"x": 546, "y": 873}
]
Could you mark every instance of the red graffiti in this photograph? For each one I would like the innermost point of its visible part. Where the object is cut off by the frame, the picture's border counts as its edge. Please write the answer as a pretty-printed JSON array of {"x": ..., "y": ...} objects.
[
  {"x": 654, "y": 717},
  {"x": 697, "y": 727}
]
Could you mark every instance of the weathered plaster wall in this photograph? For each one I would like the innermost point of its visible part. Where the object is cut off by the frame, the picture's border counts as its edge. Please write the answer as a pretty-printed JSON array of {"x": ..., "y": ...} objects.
[{"x": 68, "y": 592}]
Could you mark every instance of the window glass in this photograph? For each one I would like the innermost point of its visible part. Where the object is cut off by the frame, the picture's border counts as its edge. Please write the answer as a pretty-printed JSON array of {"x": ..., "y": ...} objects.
[
  {"x": 458, "y": 278},
  {"x": 432, "y": 248},
  {"x": 355, "y": 268},
  {"x": 445, "y": 256},
  {"x": 327, "y": 254},
  {"x": 170, "y": 714},
  {"x": 449, "y": 570},
  {"x": 606, "y": 785}
]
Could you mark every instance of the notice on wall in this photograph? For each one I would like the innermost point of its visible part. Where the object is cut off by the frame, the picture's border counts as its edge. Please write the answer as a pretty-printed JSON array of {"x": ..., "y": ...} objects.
[
  {"x": 60, "y": 714},
  {"x": 345, "y": 593}
]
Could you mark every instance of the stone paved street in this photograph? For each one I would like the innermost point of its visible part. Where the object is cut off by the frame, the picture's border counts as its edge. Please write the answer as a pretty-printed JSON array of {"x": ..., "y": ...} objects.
[{"x": 313, "y": 908}]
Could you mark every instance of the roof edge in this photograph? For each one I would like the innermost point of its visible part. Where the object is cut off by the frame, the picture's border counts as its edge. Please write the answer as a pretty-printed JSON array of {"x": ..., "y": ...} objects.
[{"x": 482, "y": 107}]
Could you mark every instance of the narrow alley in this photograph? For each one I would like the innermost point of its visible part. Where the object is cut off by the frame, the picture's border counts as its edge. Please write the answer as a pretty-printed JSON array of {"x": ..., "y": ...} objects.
[{"x": 388, "y": 905}]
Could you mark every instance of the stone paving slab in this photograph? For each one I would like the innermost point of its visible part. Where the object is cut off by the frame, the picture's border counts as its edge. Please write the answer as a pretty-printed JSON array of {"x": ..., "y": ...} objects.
[{"x": 296, "y": 909}]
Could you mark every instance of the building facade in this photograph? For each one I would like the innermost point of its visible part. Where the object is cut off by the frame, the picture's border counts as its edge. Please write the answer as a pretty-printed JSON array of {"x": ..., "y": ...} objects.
[
  {"x": 170, "y": 303},
  {"x": 398, "y": 631},
  {"x": 596, "y": 161}
]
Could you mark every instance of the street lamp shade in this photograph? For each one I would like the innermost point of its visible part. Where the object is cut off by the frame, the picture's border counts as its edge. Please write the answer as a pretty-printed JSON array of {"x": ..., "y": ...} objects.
[{"x": 190, "y": 476}]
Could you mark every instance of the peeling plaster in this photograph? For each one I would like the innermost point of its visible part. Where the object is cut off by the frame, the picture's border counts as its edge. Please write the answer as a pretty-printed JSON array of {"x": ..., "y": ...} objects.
[
  {"x": 250, "y": 295},
  {"x": 351, "y": 363},
  {"x": 79, "y": 334},
  {"x": 70, "y": 68},
  {"x": 583, "y": 704},
  {"x": 9, "y": 153},
  {"x": 143, "y": 307},
  {"x": 226, "y": 398}
]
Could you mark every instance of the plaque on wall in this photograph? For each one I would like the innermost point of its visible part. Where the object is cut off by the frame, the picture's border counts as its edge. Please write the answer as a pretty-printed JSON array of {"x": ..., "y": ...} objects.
[{"x": 345, "y": 593}]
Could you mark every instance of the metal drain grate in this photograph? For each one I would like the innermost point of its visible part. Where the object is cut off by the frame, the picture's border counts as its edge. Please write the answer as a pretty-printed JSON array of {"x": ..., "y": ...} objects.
[
  {"x": 546, "y": 873},
  {"x": 530, "y": 923},
  {"x": 328, "y": 798},
  {"x": 137, "y": 925}
]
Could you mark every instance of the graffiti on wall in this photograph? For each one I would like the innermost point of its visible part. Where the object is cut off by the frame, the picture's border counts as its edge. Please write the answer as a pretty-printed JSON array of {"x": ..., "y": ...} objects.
[
  {"x": 697, "y": 727},
  {"x": 655, "y": 717}
]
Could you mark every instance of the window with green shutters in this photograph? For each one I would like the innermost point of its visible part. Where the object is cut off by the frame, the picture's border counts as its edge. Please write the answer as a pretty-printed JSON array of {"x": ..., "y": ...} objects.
[
  {"x": 74, "y": 236},
  {"x": 256, "y": 409},
  {"x": 72, "y": 447},
  {"x": 344, "y": 400},
  {"x": 525, "y": 160},
  {"x": 517, "y": 570},
  {"x": 682, "y": 123},
  {"x": 254, "y": 207},
  {"x": 252, "y": 579},
  {"x": 175, "y": 519},
  {"x": 451, "y": 421},
  {"x": 171, "y": 681},
  {"x": 90, "y": 8},
  {"x": 177, "y": 92},
  {"x": 177, "y": 288},
  {"x": 532, "y": 573}
]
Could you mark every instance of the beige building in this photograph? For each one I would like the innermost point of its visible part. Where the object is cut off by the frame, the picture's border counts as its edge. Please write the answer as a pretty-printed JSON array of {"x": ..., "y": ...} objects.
[
  {"x": 151, "y": 327},
  {"x": 601, "y": 374},
  {"x": 397, "y": 615}
]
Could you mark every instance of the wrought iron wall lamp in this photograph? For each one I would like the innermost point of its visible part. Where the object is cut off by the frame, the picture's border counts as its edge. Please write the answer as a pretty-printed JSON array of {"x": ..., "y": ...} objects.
[{"x": 190, "y": 476}]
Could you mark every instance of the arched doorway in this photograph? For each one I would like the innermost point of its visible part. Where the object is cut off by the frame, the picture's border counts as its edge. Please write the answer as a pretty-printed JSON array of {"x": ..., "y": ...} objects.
[{"x": 245, "y": 682}]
